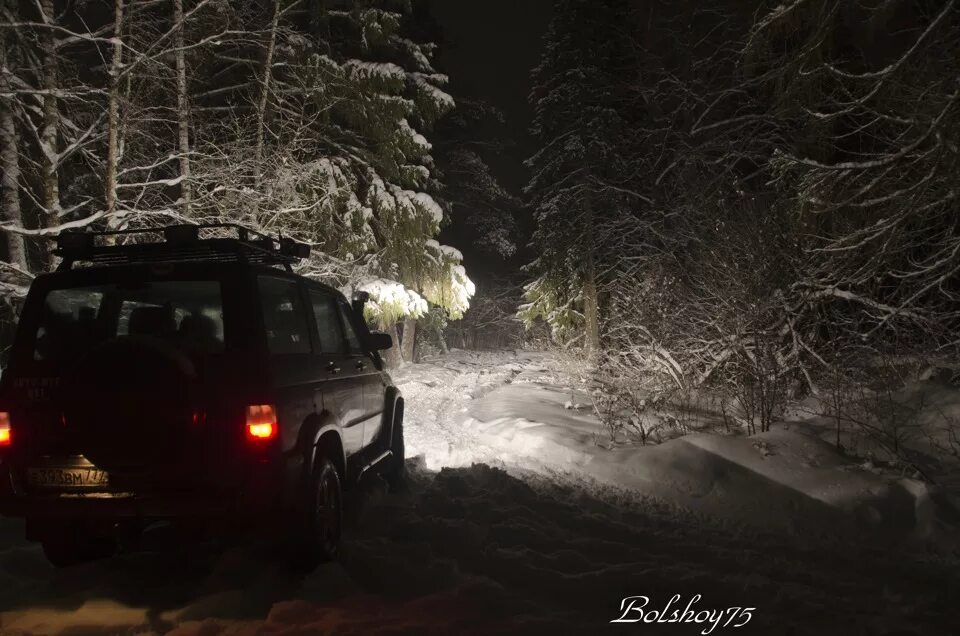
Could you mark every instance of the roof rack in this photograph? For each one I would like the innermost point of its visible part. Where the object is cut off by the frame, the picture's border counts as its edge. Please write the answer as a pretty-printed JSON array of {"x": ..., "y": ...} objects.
[{"x": 182, "y": 243}]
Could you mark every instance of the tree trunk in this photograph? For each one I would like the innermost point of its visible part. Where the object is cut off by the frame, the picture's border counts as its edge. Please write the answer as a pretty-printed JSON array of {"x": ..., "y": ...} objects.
[
  {"x": 262, "y": 103},
  {"x": 183, "y": 122},
  {"x": 409, "y": 348},
  {"x": 10, "y": 164},
  {"x": 443, "y": 344},
  {"x": 592, "y": 336},
  {"x": 50, "y": 124},
  {"x": 113, "y": 116},
  {"x": 318, "y": 24},
  {"x": 392, "y": 356},
  {"x": 10, "y": 168}
]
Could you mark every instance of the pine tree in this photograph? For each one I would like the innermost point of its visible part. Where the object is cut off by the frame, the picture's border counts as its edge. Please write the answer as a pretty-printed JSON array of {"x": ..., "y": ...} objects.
[
  {"x": 338, "y": 96},
  {"x": 582, "y": 121},
  {"x": 478, "y": 202}
]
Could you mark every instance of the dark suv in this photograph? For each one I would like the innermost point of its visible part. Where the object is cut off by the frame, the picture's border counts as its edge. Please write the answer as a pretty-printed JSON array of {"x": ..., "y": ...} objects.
[{"x": 194, "y": 379}]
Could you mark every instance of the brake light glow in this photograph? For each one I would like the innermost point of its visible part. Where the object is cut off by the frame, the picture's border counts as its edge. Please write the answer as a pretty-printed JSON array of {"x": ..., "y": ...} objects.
[
  {"x": 261, "y": 422},
  {"x": 6, "y": 435}
]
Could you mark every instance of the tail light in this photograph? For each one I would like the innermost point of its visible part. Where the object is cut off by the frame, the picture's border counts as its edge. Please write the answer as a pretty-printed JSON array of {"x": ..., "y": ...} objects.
[
  {"x": 261, "y": 423},
  {"x": 6, "y": 435}
]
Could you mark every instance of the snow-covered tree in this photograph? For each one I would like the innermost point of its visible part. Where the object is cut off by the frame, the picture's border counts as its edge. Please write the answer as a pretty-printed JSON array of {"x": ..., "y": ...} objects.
[
  {"x": 582, "y": 121},
  {"x": 344, "y": 161},
  {"x": 788, "y": 203},
  {"x": 874, "y": 167},
  {"x": 299, "y": 117},
  {"x": 479, "y": 204}
]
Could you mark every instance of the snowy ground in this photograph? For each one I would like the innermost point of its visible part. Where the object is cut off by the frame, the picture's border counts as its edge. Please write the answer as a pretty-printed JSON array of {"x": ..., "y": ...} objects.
[
  {"x": 531, "y": 412},
  {"x": 516, "y": 521}
]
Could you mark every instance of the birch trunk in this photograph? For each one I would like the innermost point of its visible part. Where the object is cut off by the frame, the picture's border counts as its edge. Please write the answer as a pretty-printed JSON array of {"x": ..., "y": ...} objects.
[
  {"x": 409, "y": 347},
  {"x": 50, "y": 124},
  {"x": 262, "y": 103},
  {"x": 10, "y": 168},
  {"x": 10, "y": 183},
  {"x": 183, "y": 123},
  {"x": 113, "y": 121}
]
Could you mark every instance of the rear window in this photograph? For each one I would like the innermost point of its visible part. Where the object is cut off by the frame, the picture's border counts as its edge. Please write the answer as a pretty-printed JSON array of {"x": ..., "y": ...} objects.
[{"x": 186, "y": 314}]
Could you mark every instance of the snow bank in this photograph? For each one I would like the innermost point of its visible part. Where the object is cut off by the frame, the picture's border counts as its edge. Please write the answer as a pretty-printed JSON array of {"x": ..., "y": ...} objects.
[
  {"x": 927, "y": 416},
  {"x": 786, "y": 479}
]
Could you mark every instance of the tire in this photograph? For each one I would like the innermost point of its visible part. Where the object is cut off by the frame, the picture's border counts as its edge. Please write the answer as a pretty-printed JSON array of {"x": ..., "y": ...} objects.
[
  {"x": 396, "y": 472},
  {"x": 322, "y": 521},
  {"x": 75, "y": 544}
]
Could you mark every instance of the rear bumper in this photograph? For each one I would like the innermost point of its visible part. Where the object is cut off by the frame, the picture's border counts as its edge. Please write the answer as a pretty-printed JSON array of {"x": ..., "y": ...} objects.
[
  {"x": 196, "y": 503},
  {"x": 116, "y": 506}
]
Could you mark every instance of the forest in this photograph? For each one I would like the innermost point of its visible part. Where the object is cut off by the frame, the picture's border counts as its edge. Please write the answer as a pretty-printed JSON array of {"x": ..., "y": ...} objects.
[
  {"x": 673, "y": 289},
  {"x": 303, "y": 119},
  {"x": 759, "y": 201}
]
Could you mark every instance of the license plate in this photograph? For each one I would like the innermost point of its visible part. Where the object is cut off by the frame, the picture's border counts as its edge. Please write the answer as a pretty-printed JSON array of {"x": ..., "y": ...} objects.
[{"x": 67, "y": 477}]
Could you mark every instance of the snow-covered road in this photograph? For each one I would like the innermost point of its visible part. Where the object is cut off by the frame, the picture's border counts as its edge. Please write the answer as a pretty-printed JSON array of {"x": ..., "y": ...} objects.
[{"x": 501, "y": 530}]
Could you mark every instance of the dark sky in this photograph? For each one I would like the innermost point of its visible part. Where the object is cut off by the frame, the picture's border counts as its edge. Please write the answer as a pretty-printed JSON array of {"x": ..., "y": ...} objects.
[{"x": 488, "y": 50}]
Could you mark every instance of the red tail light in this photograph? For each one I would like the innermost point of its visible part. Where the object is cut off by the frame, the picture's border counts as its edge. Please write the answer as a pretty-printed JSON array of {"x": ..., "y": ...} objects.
[
  {"x": 6, "y": 435},
  {"x": 261, "y": 423}
]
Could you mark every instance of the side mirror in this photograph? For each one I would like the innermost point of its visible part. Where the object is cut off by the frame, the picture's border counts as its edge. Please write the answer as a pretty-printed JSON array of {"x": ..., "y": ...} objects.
[
  {"x": 360, "y": 299},
  {"x": 379, "y": 341}
]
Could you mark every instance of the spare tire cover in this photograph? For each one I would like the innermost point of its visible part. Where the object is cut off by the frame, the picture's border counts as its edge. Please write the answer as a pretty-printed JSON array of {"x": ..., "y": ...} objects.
[{"x": 128, "y": 404}]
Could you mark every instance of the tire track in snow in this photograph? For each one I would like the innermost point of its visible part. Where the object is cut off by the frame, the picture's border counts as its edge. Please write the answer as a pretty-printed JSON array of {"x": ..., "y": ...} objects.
[{"x": 437, "y": 396}]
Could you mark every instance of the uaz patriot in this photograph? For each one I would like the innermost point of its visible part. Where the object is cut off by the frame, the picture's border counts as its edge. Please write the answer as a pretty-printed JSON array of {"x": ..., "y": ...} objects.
[{"x": 192, "y": 379}]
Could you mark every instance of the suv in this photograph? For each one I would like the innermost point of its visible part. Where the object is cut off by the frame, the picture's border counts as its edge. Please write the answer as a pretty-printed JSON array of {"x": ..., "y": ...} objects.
[{"x": 190, "y": 380}]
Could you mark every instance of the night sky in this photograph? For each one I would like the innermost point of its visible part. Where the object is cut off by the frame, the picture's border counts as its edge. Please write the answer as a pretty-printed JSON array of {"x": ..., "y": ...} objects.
[{"x": 488, "y": 48}]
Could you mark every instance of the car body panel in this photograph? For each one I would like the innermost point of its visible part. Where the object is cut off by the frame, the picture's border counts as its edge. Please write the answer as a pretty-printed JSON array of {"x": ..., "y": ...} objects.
[{"x": 311, "y": 399}]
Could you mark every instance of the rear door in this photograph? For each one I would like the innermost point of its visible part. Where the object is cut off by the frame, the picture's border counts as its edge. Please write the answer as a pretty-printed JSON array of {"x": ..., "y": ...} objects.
[
  {"x": 374, "y": 388},
  {"x": 106, "y": 359},
  {"x": 342, "y": 393},
  {"x": 295, "y": 377}
]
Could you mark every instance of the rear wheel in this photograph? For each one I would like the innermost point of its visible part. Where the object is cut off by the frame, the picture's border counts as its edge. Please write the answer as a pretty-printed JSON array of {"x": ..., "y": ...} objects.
[
  {"x": 74, "y": 543},
  {"x": 323, "y": 517}
]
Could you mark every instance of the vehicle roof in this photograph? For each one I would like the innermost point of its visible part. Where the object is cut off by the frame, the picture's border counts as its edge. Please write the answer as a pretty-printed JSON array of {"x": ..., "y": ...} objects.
[{"x": 171, "y": 270}]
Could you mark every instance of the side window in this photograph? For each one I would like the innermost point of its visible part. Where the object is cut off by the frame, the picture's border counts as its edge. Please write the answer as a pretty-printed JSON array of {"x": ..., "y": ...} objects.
[
  {"x": 328, "y": 324},
  {"x": 353, "y": 341},
  {"x": 68, "y": 320},
  {"x": 283, "y": 316}
]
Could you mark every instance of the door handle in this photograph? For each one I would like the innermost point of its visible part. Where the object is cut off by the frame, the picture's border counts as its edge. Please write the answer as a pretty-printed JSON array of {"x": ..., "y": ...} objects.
[
  {"x": 333, "y": 368},
  {"x": 361, "y": 365}
]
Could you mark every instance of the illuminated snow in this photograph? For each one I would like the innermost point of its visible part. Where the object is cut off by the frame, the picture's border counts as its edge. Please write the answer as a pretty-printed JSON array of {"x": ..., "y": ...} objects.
[{"x": 390, "y": 294}]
